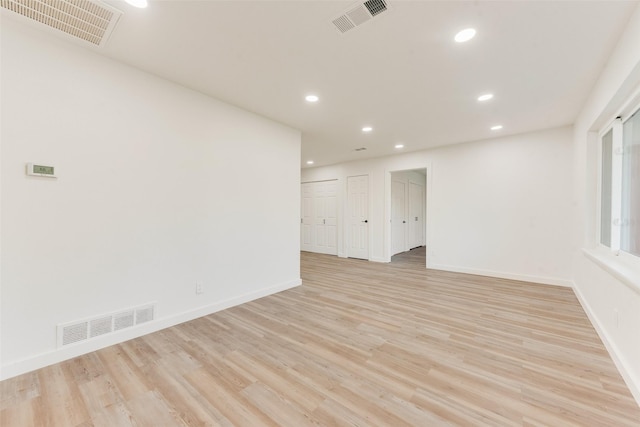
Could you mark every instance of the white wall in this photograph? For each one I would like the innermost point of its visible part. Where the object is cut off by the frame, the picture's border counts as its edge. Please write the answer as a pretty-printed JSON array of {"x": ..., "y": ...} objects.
[
  {"x": 500, "y": 207},
  {"x": 158, "y": 187},
  {"x": 604, "y": 283}
]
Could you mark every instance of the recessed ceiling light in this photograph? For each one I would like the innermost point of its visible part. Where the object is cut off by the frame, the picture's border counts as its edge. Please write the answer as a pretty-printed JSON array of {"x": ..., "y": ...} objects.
[
  {"x": 485, "y": 97},
  {"x": 367, "y": 129},
  {"x": 311, "y": 98},
  {"x": 137, "y": 3},
  {"x": 399, "y": 146},
  {"x": 496, "y": 127},
  {"x": 309, "y": 162},
  {"x": 465, "y": 35}
]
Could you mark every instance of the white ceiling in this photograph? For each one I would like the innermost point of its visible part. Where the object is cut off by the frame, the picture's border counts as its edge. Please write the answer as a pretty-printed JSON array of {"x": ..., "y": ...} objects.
[{"x": 401, "y": 72}]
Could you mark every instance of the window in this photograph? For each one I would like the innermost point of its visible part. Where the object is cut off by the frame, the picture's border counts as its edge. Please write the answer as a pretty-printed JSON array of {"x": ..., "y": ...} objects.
[{"x": 620, "y": 186}]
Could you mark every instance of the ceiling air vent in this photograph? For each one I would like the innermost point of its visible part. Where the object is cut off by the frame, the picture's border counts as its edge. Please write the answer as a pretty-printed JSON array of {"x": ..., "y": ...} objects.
[
  {"x": 375, "y": 6},
  {"x": 359, "y": 14},
  {"x": 90, "y": 21}
]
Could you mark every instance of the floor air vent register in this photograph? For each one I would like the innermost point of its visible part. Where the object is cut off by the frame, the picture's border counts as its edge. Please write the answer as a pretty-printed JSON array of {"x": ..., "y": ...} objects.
[{"x": 78, "y": 331}]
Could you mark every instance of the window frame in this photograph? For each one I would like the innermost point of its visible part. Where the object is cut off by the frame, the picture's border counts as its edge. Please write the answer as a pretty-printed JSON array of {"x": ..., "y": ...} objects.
[
  {"x": 616, "y": 126},
  {"x": 603, "y": 132}
]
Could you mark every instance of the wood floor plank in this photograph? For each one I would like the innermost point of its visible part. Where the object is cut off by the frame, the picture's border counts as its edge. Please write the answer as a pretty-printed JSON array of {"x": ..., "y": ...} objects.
[
  {"x": 61, "y": 400},
  {"x": 114, "y": 415},
  {"x": 234, "y": 406},
  {"x": 358, "y": 344},
  {"x": 22, "y": 413},
  {"x": 20, "y": 389}
]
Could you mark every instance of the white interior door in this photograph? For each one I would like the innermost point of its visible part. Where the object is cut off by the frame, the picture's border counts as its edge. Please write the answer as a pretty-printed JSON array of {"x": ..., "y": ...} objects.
[
  {"x": 319, "y": 208},
  {"x": 326, "y": 217},
  {"x": 398, "y": 218},
  {"x": 358, "y": 217},
  {"x": 318, "y": 232},
  {"x": 416, "y": 215}
]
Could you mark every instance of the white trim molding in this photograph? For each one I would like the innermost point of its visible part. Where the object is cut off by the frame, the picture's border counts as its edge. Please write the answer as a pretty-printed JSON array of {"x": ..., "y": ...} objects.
[
  {"x": 504, "y": 275},
  {"x": 610, "y": 345}
]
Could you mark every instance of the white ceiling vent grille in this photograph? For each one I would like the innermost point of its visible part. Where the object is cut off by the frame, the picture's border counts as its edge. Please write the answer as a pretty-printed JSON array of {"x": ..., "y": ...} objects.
[
  {"x": 343, "y": 23},
  {"x": 86, "y": 20},
  {"x": 359, "y": 14}
]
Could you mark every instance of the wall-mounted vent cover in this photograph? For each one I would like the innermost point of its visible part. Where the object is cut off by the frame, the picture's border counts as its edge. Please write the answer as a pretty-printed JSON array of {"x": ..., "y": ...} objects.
[
  {"x": 358, "y": 14},
  {"x": 74, "y": 333},
  {"x": 123, "y": 320},
  {"x": 144, "y": 314},
  {"x": 81, "y": 330},
  {"x": 100, "y": 326},
  {"x": 90, "y": 21}
]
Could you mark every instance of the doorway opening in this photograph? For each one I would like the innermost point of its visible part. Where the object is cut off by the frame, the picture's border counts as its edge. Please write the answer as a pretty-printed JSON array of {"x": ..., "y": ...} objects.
[
  {"x": 415, "y": 256},
  {"x": 406, "y": 210}
]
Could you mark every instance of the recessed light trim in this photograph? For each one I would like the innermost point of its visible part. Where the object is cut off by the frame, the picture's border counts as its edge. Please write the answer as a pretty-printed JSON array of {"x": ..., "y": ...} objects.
[
  {"x": 485, "y": 97},
  {"x": 367, "y": 129},
  {"x": 496, "y": 127},
  {"x": 310, "y": 162},
  {"x": 312, "y": 98},
  {"x": 465, "y": 35},
  {"x": 141, "y": 4},
  {"x": 399, "y": 146}
]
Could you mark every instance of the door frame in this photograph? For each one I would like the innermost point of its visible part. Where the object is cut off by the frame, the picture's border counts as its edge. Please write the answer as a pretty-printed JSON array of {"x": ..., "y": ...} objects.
[{"x": 427, "y": 210}]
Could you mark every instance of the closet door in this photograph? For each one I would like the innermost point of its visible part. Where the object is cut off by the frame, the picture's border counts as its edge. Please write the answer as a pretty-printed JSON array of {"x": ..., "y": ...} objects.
[
  {"x": 318, "y": 232},
  {"x": 325, "y": 217}
]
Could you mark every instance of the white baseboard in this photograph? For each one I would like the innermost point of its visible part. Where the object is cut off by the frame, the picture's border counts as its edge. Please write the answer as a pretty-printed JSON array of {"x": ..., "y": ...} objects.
[
  {"x": 60, "y": 354},
  {"x": 378, "y": 259},
  {"x": 611, "y": 347},
  {"x": 502, "y": 275}
]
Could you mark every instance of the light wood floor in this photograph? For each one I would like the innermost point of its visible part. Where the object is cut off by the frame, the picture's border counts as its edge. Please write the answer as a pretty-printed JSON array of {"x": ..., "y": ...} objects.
[{"x": 358, "y": 344}]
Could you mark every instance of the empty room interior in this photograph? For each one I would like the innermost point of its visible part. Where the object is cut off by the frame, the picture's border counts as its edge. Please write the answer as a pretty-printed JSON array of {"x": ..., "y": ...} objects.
[{"x": 328, "y": 213}]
